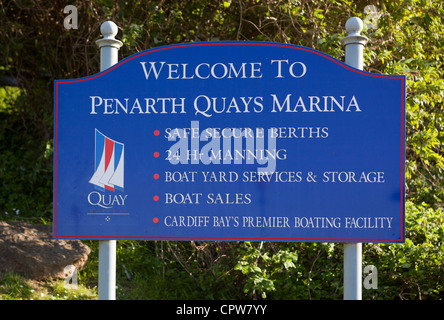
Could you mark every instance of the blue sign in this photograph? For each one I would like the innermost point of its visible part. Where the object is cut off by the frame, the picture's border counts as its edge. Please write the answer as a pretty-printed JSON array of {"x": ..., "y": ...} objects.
[{"x": 230, "y": 141}]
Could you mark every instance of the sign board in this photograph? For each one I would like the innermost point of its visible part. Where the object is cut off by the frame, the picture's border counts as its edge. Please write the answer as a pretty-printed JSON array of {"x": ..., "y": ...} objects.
[{"x": 230, "y": 141}]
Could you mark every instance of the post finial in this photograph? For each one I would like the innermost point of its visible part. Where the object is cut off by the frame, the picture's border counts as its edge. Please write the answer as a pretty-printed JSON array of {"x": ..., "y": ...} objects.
[
  {"x": 109, "y": 31},
  {"x": 354, "y": 26},
  {"x": 109, "y": 45}
]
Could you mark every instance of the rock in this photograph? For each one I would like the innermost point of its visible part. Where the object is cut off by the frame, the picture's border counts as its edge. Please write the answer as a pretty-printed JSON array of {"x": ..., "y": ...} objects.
[{"x": 30, "y": 250}]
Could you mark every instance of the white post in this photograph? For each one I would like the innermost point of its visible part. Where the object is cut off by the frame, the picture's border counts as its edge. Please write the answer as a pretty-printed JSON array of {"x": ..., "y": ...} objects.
[
  {"x": 354, "y": 56},
  {"x": 107, "y": 270},
  {"x": 353, "y": 271},
  {"x": 109, "y": 47}
]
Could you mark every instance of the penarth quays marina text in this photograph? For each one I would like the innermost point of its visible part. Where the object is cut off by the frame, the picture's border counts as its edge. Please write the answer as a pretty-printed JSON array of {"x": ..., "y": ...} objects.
[{"x": 208, "y": 106}]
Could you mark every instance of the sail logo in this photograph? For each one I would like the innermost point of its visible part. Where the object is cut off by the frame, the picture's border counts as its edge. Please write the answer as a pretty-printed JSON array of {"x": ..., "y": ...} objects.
[{"x": 108, "y": 163}]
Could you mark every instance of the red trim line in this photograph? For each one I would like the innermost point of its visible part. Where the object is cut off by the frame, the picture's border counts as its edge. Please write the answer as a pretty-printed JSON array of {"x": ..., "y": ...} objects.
[{"x": 230, "y": 44}]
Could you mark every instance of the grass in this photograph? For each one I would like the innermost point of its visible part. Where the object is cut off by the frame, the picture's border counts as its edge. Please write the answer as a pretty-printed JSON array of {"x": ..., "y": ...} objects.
[{"x": 16, "y": 287}]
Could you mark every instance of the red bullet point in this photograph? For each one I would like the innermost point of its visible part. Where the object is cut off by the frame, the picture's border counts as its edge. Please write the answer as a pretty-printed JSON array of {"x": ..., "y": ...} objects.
[
  {"x": 156, "y": 176},
  {"x": 156, "y": 154},
  {"x": 155, "y": 220},
  {"x": 156, "y": 132},
  {"x": 156, "y": 198}
]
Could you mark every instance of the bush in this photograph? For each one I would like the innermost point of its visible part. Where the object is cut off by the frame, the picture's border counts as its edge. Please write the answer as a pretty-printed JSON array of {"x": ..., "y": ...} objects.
[
  {"x": 25, "y": 172},
  {"x": 412, "y": 270}
]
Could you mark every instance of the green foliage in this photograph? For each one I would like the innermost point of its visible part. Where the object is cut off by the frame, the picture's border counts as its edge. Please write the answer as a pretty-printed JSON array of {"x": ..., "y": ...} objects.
[
  {"x": 13, "y": 286},
  {"x": 299, "y": 271},
  {"x": 406, "y": 39},
  {"x": 25, "y": 172},
  {"x": 413, "y": 270},
  {"x": 409, "y": 40},
  {"x": 176, "y": 270}
]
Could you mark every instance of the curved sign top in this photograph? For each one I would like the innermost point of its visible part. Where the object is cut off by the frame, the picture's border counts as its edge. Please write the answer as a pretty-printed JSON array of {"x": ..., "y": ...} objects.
[{"x": 230, "y": 141}]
